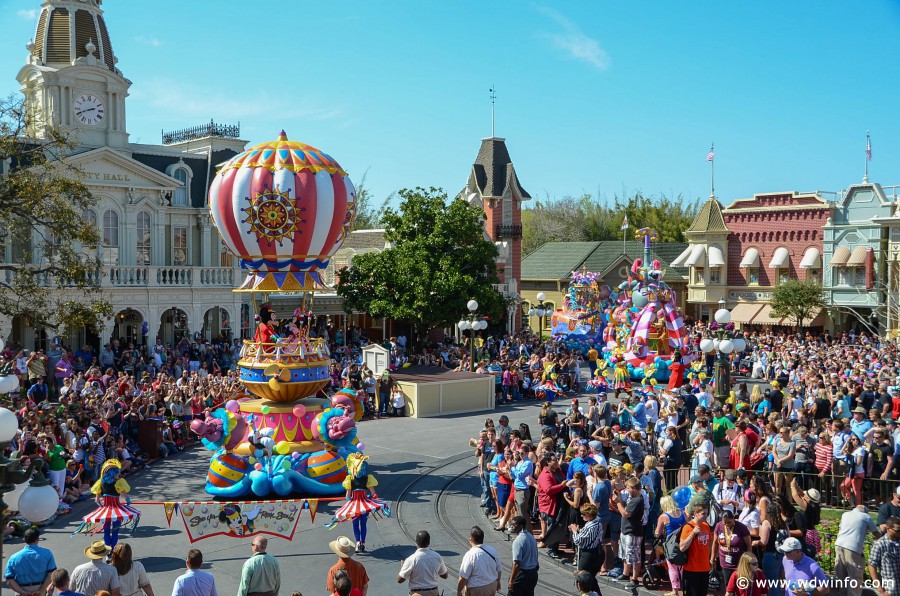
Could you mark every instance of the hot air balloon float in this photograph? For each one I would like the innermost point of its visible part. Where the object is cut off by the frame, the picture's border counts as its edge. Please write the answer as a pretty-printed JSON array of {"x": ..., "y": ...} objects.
[
  {"x": 283, "y": 208},
  {"x": 644, "y": 329}
]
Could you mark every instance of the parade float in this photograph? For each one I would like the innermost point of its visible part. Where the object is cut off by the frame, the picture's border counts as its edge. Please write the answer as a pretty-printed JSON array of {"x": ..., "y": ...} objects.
[
  {"x": 644, "y": 338},
  {"x": 283, "y": 208}
]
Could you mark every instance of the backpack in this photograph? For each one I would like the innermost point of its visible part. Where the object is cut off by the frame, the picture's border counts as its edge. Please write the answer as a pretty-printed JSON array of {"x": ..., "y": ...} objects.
[{"x": 674, "y": 554}]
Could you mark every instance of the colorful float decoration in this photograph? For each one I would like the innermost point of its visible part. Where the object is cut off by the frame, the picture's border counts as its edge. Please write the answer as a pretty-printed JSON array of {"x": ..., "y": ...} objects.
[
  {"x": 283, "y": 208},
  {"x": 644, "y": 332}
]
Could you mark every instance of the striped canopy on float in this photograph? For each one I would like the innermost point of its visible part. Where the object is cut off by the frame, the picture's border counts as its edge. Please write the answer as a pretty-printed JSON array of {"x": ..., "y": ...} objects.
[{"x": 282, "y": 206}]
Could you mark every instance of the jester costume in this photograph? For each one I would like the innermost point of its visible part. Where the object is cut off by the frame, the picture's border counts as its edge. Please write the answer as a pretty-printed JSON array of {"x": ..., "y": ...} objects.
[
  {"x": 111, "y": 514},
  {"x": 359, "y": 483}
]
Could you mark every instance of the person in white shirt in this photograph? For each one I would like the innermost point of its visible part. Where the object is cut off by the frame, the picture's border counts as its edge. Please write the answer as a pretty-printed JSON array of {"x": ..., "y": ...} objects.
[
  {"x": 480, "y": 570},
  {"x": 423, "y": 568},
  {"x": 728, "y": 493}
]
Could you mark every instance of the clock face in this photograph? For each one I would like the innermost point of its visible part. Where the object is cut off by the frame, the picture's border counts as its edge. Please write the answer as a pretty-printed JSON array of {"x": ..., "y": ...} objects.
[{"x": 89, "y": 109}]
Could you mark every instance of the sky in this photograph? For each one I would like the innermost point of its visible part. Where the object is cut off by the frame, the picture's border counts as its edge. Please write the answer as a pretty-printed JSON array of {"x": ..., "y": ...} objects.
[{"x": 598, "y": 97}]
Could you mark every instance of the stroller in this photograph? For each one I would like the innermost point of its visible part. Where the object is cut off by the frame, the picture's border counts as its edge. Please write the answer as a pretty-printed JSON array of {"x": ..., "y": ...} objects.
[{"x": 656, "y": 570}]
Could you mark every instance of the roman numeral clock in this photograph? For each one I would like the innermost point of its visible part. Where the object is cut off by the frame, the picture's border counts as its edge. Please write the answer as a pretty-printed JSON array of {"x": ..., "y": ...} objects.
[{"x": 89, "y": 109}]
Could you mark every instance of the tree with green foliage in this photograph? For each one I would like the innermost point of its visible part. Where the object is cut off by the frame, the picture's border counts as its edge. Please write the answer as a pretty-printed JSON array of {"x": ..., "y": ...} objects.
[
  {"x": 797, "y": 300},
  {"x": 51, "y": 280},
  {"x": 438, "y": 259},
  {"x": 586, "y": 218}
]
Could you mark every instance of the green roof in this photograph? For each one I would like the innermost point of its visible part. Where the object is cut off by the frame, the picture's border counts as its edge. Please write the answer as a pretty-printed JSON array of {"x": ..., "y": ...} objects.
[
  {"x": 556, "y": 260},
  {"x": 710, "y": 218},
  {"x": 610, "y": 251}
]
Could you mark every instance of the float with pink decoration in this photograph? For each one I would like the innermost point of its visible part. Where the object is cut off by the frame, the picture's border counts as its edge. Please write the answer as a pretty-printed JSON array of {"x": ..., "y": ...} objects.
[
  {"x": 283, "y": 208},
  {"x": 644, "y": 338}
]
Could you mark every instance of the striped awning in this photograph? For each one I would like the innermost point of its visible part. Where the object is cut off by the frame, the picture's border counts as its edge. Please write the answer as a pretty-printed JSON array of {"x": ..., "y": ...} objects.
[
  {"x": 840, "y": 257},
  {"x": 811, "y": 259},
  {"x": 780, "y": 259},
  {"x": 751, "y": 258},
  {"x": 857, "y": 257},
  {"x": 745, "y": 311},
  {"x": 716, "y": 259},
  {"x": 679, "y": 262},
  {"x": 697, "y": 258},
  {"x": 765, "y": 317}
]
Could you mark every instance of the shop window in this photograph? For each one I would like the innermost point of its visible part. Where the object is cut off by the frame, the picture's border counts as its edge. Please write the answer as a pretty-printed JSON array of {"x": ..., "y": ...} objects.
[
  {"x": 814, "y": 275},
  {"x": 860, "y": 275},
  {"x": 715, "y": 276},
  {"x": 784, "y": 276},
  {"x": 753, "y": 276},
  {"x": 844, "y": 276},
  {"x": 698, "y": 275}
]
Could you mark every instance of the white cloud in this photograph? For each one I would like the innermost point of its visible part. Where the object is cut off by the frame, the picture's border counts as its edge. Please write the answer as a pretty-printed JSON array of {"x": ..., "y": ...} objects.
[
  {"x": 573, "y": 41},
  {"x": 189, "y": 103},
  {"x": 28, "y": 15},
  {"x": 148, "y": 40}
]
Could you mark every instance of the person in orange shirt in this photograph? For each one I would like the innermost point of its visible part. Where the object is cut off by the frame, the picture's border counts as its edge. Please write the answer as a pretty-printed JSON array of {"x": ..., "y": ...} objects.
[{"x": 696, "y": 541}]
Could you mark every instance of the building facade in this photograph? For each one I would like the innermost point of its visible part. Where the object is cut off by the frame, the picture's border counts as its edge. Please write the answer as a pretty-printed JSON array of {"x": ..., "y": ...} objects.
[{"x": 164, "y": 268}]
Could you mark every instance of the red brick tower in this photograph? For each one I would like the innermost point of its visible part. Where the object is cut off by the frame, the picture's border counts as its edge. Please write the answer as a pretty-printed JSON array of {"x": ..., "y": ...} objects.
[{"x": 494, "y": 186}]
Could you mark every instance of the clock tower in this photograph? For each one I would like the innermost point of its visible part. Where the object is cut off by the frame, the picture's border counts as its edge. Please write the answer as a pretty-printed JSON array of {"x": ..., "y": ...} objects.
[{"x": 70, "y": 78}]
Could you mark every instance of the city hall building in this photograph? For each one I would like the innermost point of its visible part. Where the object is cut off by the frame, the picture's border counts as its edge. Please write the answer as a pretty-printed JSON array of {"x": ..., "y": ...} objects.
[{"x": 163, "y": 261}]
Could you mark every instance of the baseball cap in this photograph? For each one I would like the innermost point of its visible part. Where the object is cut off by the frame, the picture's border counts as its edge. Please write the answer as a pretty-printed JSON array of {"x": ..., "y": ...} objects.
[
  {"x": 696, "y": 479},
  {"x": 790, "y": 545}
]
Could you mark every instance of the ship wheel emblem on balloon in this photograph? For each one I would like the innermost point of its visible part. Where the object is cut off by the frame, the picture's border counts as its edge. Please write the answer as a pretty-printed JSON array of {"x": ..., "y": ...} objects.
[{"x": 273, "y": 215}]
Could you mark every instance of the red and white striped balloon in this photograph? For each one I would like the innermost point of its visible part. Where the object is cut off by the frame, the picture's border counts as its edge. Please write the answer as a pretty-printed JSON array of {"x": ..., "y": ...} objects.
[{"x": 282, "y": 206}]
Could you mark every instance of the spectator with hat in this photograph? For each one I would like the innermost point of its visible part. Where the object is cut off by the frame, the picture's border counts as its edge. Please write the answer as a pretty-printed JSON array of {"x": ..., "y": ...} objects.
[
  {"x": 860, "y": 425},
  {"x": 800, "y": 571},
  {"x": 344, "y": 548},
  {"x": 96, "y": 574}
]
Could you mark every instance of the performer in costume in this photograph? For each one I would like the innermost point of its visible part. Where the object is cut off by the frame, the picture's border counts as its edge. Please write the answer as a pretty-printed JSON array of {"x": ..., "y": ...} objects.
[
  {"x": 621, "y": 376},
  {"x": 359, "y": 483},
  {"x": 676, "y": 380},
  {"x": 111, "y": 513}
]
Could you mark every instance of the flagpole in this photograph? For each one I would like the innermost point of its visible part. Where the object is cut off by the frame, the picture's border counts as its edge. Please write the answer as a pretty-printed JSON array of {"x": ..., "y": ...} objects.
[
  {"x": 868, "y": 150},
  {"x": 712, "y": 171}
]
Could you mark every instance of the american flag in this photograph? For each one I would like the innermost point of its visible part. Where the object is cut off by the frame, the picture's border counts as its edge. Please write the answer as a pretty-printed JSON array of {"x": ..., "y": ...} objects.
[
  {"x": 625, "y": 223},
  {"x": 868, "y": 147},
  {"x": 710, "y": 155}
]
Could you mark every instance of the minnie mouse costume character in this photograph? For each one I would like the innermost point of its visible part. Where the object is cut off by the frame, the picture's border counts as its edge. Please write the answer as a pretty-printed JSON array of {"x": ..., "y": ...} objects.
[
  {"x": 358, "y": 506},
  {"x": 110, "y": 514}
]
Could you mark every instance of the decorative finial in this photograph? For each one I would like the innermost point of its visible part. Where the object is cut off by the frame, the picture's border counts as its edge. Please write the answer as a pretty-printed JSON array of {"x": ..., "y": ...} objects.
[
  {"x": 89, "y": 47},
  {"x": 30, "y": 46},
  {"x": 282, "y": 136},
  {"x": 493, "y": 92}
]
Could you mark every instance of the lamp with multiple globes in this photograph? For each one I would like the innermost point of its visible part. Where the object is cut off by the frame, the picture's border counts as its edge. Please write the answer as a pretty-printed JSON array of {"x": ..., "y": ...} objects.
[
  {"x": 724, "y": 343},
  {"x": 39, "y": 500},
  {"x": 539, "y": 311},
  {"x": 472, "y": 322}
]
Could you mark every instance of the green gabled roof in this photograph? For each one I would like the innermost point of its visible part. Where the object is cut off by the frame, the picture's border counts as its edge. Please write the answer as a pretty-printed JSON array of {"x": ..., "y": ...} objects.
[
  {"x": 710, "y": 218},
  {"x": 610, "y": 251},
  {"x": 556, "y": 260}
]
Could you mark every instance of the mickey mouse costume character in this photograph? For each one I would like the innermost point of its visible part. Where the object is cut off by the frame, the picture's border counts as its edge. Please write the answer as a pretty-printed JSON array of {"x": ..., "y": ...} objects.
[
  {"x": 111, "y": 513},
  {"x": 358, "y": 506}
]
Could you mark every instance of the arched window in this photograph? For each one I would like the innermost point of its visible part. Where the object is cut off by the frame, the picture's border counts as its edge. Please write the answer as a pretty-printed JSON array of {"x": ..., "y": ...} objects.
[
  {"x": 89, "y": 216},
  {"x": 179, "y": 198},
  {"x": 110, "y": 237},
  {"x": 143, "y": 239}
]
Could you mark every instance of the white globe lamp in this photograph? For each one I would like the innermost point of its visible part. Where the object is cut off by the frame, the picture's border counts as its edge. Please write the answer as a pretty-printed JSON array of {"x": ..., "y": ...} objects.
[
  {"x": 9, "y": 424},
  {"x": 715, "y": 345},
  {"x": 707, "y": 345},
  {"x": 739, "y": 344},
  {"x": 540, "y": 296},
  {"x": 540, "y": 312},
  {"x": 726, "y": 346},
  {"x": 39, "y": 501},
  {"x": 723, "y": 317},
  {"x": 482, "y": 325},
  {"x": 12, "y": 497},
  {"x": 472, "y": 305},
  {"x": 463, "y": 325}
]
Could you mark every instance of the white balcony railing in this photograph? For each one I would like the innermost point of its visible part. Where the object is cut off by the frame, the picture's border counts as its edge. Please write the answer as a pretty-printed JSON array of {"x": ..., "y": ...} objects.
[{"x": 173, "y": 276}]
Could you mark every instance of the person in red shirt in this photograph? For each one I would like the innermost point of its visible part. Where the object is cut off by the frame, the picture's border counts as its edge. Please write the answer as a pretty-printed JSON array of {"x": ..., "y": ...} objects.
[
  {"x": 696, "y": 541},
  {"x": 551, "y": 483},
  {"x": 753, "y": 579}
]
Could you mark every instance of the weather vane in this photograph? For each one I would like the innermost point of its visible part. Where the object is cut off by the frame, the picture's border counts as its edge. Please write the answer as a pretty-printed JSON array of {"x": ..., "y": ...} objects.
[{"x": 493, "y": 91}]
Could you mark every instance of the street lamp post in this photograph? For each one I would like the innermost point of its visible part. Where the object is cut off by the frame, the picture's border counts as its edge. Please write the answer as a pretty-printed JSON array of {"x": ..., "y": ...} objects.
[
  {"x": 724, "y": 343},
  {"x": 472, "y": 322},
  {"x": 39, "y": 501},
  {"x": 539, "y": 312}
]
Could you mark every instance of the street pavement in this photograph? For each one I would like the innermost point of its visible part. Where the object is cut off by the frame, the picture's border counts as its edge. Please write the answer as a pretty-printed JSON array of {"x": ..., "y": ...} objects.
[{"x": 425, "y": 468}]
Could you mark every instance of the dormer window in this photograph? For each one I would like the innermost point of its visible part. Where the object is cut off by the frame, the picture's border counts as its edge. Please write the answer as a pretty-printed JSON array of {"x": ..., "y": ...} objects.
[{"x": 180, "y": 196}]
